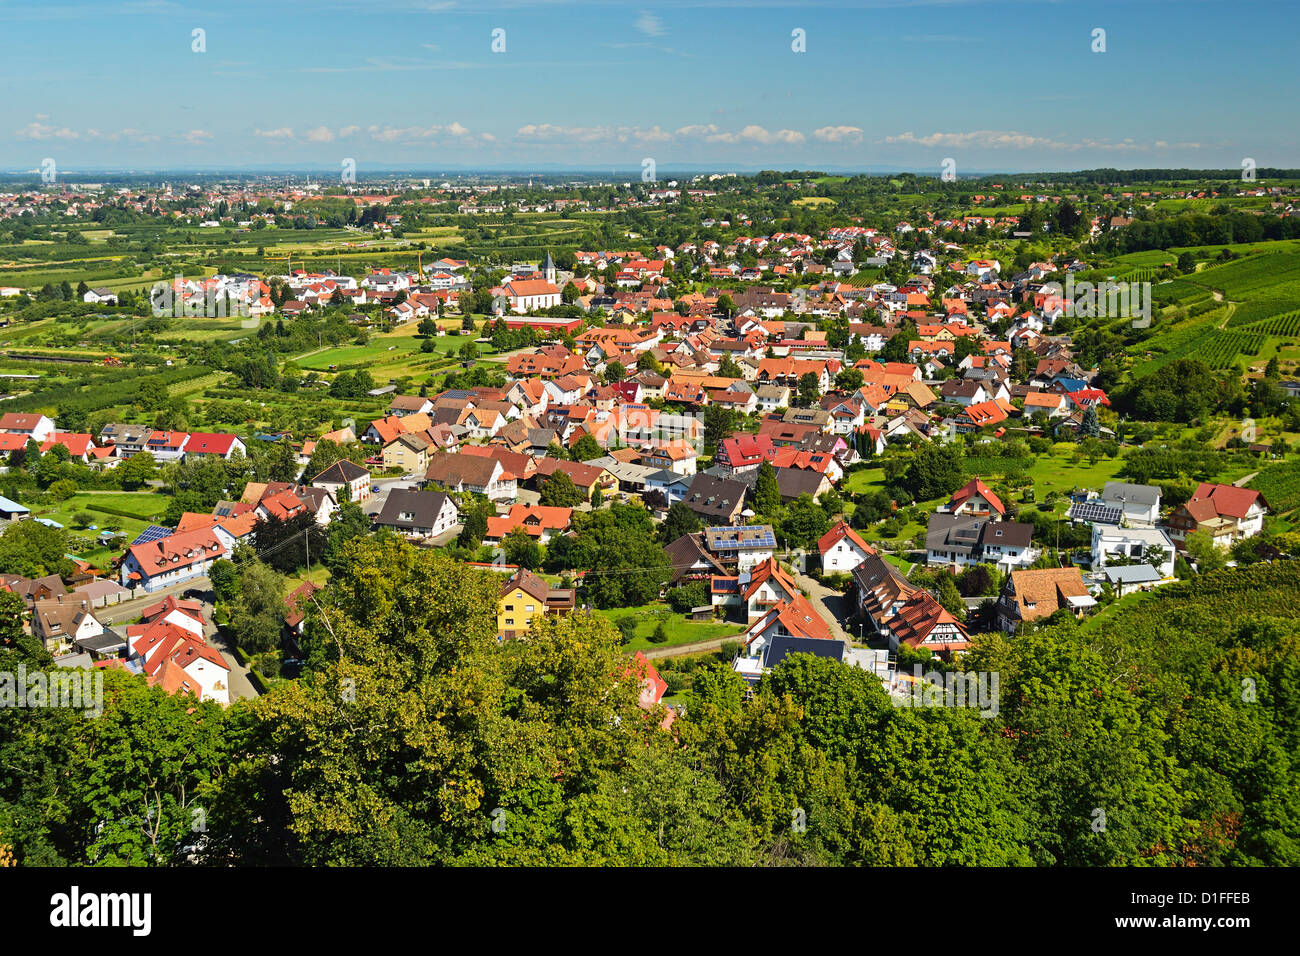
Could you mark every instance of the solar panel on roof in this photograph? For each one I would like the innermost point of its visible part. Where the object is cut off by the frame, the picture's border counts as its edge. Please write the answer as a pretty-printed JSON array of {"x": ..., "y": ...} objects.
[
  {"x": 1095, "y": 511},
  {"x": 155, "y": 532}
]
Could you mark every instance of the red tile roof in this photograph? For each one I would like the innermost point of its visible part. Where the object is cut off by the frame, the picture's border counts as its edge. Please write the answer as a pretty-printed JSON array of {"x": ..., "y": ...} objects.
[
  {"x": 973, "y": 487},
  {"x": 1228, "y": 500},
  {"x": 838, "y": 533}
]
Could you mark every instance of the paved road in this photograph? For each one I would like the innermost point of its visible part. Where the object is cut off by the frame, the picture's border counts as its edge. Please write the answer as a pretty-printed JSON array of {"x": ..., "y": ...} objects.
[{"x": 127, "y": 611}]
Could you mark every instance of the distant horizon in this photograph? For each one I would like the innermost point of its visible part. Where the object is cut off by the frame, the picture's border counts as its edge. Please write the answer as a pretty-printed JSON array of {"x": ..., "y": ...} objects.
[
  {"x": 633, "y": 174},
  {"x": 987, "y": 85}
]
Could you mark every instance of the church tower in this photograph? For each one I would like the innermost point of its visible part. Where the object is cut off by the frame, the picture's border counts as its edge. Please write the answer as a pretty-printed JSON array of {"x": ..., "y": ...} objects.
[{"x": 548, "y": 268}]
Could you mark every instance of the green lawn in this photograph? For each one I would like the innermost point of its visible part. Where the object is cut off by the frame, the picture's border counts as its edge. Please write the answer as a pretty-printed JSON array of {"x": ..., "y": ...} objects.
[
  {"x": 1061, "y": 474},
  {"x": 680, "y": 630},
  {"x": 1107, "y": 613},
  {"x": 863, "y": 480},
  {"x": 146, "y": 506},
  {"x": 896, "y": 561}
]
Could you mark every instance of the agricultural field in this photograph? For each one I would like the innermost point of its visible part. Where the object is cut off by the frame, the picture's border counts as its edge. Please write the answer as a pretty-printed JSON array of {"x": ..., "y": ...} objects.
[
  {"x": 1282, "y": 326},
  {"x": 1280, "y": 485},
  {"x": 1217, "y": 348},
  {"x": 1264, "y": 275},
  {"x": 1258, "y": 309}
]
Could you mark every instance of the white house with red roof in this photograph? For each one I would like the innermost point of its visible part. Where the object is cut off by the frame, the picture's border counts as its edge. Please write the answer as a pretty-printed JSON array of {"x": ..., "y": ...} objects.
[
  {"x": 1227, "y": 513},
  {"x": 923, "y": 622},
  {"x": 842, "y": 549},
  {"x": 528, "y": 295},
  {"x": 762, "y": 588},
  {"x": 1085, "y": 397},
  {"x": 794, "y": 618},
  {"x": 179, "y": 557},
  {"x": 167, "y": 446},
  {"x": 79, "y": 446},
  {"x": 173, "y": 657},
  {"x": 652, "y": 685},
  {"x": 184, "y": 613},
  {"x": 975, "y": 500},
  {"x": 213, "y": 445},
  {"x": 35, "y": 426},
  {"x": 742, "y": 454}
]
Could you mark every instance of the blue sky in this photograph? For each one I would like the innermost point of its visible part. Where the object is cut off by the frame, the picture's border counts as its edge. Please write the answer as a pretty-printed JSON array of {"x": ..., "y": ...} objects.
[{"x": 891, "y": 83}]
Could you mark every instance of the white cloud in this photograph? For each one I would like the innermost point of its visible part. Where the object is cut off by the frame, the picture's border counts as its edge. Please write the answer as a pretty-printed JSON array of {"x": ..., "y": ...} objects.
[
  {"x": 283, "y": 132},
  {"x": 757, "y": 134},
  {"x": 650, "y": 25},
  {"x": 416, "y": 134},
  {"x": 580, "y": 134},
  {"x": 697, "y": 130},
  {"x": 39, "y": 130},
  {"x": 321, "y": 134},
  {"x": 838, "y": 134},
  {"x": 1012, "y": 139},
  {"x": 197, "y": 137}
]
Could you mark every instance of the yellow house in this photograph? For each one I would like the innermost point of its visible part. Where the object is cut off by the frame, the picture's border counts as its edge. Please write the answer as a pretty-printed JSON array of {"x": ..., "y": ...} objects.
[
  {"x": 526, "y": 598},
  {"x": 913, "y": 395},
  {"x": 407, "y": 452}
]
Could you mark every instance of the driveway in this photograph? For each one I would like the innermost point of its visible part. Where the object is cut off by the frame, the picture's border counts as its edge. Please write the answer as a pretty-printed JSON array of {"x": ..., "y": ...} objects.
[{"x": 833, "y": 606}]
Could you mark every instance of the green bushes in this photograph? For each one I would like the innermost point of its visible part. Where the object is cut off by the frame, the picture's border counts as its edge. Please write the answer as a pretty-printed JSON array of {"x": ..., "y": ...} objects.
[
  {"x": 693, "y": 594},
  {"x": 123, "y": 512}
]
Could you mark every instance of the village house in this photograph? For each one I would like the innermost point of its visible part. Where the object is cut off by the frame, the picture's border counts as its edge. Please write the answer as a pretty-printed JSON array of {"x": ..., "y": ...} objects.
[
  {"x": 64, "y": 620},
  {"x": 842, "y": 549},
  {"x": 1134, "y": 546},
  {"x": 418, "y": 514},
  {"x": 481, "y": 475},
  {"x": 1227, "y": 513},
  {"x": 34, "y": 426},
  {"x": 410, "y": 453},
  {"x": 741, "y": 548},
  {"x": 526, "y": 598},
  {"x": 175, "y": 559},
  {"x": 345, "y": 479},
  {"x": 756, "y": 590},
  {"x": 1034, "y": 595},
  {"x": 716, "y": 499},
  {"x": 974, "y": 500},
  {"x": 176, "y": 657},
  {"x": 922, "y": 622},
  {"x": 210, "y": 445},
  {"x": 958, "y": 541},
  {"x": 542, "y": 522}
]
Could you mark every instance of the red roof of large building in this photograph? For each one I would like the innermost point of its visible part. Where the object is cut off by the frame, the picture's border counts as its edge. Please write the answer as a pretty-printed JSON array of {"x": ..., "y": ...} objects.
[
  {"x": 1228, "y": 499},
  {"x": 797, "y": 616},
  {"x": 209, "y": 443},
  {"x": 176, "y": 551}
]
